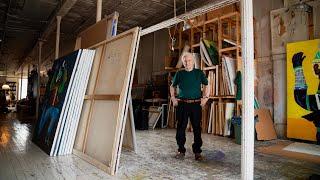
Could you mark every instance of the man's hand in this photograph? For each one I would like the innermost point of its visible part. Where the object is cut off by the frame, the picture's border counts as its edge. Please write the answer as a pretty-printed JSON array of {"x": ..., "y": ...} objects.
[
  {"x": 174, "y": 101},
  {"x": 297, "y": 59},
  {"x": 204, "y": 100}
]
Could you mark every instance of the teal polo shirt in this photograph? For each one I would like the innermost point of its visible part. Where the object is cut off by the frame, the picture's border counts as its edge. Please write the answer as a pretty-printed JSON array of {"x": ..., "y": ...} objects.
[{"x": 189, "y": 83}]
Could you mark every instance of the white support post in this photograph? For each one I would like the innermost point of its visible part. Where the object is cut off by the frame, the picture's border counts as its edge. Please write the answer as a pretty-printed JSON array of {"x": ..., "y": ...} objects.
[
  {"x": 38, "y": 80},
  {"x": 99, "y": 10},
  {"x": 247, "y": 138},
  {"x": 58, "y": 37},
  {"x": 21, "y": 76}
]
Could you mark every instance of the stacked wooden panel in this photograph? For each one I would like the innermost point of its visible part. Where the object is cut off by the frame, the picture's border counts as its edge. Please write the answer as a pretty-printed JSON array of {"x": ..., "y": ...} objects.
[{"x": 60, "y": 113}]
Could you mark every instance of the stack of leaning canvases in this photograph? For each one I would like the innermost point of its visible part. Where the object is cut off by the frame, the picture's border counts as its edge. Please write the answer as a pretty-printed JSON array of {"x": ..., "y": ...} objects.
[{"x": 60, "y": 111}]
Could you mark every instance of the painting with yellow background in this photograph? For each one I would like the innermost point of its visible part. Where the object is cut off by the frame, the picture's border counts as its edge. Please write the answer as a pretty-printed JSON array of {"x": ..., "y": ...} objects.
[{"x": 303, "y": 90}]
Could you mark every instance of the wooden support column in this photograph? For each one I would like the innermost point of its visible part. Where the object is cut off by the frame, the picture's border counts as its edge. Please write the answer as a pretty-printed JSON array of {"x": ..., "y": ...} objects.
[
  {"x": 21, "y": 76},
  {"x": 28, "y": 70},
  {"x": 99, "y": 10},
  {"x": 58, "y": 37},
  {"x": 247, "y": 138},
  {"x": 38, "y": 80}
]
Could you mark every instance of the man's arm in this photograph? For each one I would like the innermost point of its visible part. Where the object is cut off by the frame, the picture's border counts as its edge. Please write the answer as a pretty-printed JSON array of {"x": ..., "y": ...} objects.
[
  {"x": 305, "y": 101},
  {"x": 205, "y": 95},
  {"x": 173, "y": 97},
  {"x": 206, "y": 91}
]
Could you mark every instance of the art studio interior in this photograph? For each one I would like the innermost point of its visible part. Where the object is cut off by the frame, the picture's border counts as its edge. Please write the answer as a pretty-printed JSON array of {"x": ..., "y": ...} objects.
[{"x": 159, "y": 89}]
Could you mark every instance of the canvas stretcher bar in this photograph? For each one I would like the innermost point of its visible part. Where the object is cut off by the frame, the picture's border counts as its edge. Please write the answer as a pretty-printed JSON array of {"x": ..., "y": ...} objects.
[{"x": 101, "y": 145}]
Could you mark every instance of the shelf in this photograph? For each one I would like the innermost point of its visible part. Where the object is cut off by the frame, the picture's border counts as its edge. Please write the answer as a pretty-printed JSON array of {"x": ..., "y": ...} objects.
[
  {"x": 196, "y": 45},
  {"x": 172, "y": 69},
  {"x": 212, "y": 21},
  {"x": 229, "y": 15},
  {"x": 198, "y": 25},
  {"x": 228, "y": 49},
  {"x": 209, "y": 68},
  {"x": 222, "y": 97}
]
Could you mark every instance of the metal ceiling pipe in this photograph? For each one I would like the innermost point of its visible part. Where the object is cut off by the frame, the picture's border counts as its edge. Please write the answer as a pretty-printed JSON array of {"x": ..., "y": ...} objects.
[
  {"x": 207, "y": 8},
  {"x": 247, "y": 125},
  {"x": 58, "y": 37}
]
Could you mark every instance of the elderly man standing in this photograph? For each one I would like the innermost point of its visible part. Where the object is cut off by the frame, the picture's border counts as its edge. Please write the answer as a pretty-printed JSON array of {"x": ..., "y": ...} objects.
[{"x": 190, "y": 101}]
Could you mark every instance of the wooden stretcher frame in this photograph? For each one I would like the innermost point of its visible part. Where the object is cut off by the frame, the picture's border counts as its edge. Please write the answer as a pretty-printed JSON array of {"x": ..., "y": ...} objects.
[
  {"x": 108, "y": 27},
  {"x": 109, "y": 165}
]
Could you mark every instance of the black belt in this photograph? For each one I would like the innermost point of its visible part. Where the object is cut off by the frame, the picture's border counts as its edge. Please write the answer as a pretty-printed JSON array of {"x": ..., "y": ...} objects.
[{"x": 189, "y": 100}]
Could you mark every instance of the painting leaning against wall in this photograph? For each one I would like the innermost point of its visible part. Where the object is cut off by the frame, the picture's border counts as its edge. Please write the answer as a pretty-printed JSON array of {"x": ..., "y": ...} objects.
[
  {"x": 303, "y": 90},
  {"x": 54, "y": 99}
]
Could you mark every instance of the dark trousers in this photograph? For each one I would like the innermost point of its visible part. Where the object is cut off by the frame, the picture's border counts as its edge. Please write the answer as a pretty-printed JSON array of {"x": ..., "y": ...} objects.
[{"x": 184, "y": 112}]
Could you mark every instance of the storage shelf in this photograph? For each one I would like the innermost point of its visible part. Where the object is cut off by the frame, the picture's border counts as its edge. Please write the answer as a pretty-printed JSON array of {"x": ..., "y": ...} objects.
[
  {"x": 172, "y": 69},
  {"x": 229, "y": 15},
  {"x": 228, "y": 49},
  {"x": 222, "y": 97},
  {"x": 195, "y": 45},
  {"x": 215, "y": 20},
  {"x": 209, "y": 68}
]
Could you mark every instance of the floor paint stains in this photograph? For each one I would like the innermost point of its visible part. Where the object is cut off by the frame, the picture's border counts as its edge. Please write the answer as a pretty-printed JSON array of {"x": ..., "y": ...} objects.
[{"x": 154, "y": 159}]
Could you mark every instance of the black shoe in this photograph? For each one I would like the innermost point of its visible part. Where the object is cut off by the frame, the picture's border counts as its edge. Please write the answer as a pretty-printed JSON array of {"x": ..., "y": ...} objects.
[
  {"x": 198, "y": 157},
  {"x": 180, "y": 155}
]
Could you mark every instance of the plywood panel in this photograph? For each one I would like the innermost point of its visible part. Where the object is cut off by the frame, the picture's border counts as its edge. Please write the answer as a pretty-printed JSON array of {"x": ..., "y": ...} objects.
[
  {"x": 264, "y": 127},
  {"x": 94, "y": 34},
  {"x": 113, "y": 67},
  {"x": 101, "y": 131}
]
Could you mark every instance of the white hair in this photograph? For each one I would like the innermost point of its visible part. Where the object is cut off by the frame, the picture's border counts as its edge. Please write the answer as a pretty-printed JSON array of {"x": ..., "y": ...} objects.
[{"x": 185, "y": 54}]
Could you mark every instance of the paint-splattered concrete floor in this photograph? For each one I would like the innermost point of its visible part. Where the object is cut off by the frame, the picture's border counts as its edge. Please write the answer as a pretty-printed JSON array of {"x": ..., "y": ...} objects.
[{"x": 21, "y": 159}]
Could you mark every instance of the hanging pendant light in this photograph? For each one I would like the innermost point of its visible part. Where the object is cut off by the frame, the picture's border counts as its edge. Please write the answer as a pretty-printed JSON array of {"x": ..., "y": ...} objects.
[
  {"x": 186, "y": 24},
  {"x": 5, "y": 87}
]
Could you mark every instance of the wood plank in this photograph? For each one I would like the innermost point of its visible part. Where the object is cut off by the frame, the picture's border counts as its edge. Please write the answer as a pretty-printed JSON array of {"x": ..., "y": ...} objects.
[
  {"x": 228, "y": 49},
  {"x": 229, "y": 15},
  {"x": 103, "y": 97},
  {"x": 209, "y": 68},
  {"x": 215, "y": 20},
  {"x": 265, "y": 127},
  {"x": 129, "y": 137},
  {"x": 92, "y": 161}
]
